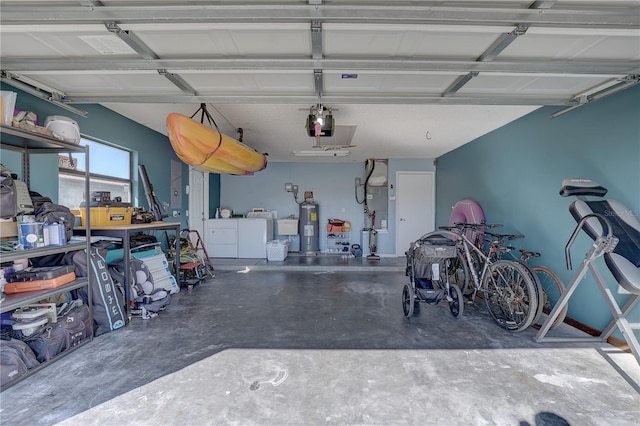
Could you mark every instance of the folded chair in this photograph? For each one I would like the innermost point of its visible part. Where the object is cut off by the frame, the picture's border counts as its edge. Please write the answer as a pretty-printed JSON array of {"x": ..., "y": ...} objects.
[{"x": 616, "y": 233}]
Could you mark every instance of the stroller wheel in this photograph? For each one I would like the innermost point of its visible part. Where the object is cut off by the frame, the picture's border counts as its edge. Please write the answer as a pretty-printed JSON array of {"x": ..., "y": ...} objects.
[
  {"x": 408, "y": 300},
  {"x": 456, "y": 305}
]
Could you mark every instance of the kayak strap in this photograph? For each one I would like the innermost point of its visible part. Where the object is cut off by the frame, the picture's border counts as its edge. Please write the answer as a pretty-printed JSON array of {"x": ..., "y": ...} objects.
[{"x": 212, "y": 122}]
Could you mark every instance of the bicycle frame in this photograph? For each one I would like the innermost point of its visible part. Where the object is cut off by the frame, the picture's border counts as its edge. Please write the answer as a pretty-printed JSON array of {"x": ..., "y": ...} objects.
[
  {"x": 508, "y": 288},
  {"x": 462, "y": 240},
  {"x": 478, "y": 279}
]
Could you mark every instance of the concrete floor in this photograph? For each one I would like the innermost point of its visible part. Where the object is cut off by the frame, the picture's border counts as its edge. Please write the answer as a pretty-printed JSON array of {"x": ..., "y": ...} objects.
[{"x": 273, "y": 345}]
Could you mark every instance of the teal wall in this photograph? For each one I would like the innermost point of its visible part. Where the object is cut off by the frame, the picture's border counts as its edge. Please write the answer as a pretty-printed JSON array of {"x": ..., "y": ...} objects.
[
  {"x": 150, "y": 148},
  {"x": 214, "y": 193},
  {"x": 515, "y": 173}
]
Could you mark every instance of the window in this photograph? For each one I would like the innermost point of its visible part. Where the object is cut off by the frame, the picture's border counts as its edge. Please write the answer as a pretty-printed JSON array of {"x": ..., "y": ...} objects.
[{"x": 110, "y": 170}]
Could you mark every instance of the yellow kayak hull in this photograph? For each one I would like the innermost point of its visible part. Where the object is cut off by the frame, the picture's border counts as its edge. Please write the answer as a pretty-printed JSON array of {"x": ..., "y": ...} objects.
[{"x": 209, "y": 150}]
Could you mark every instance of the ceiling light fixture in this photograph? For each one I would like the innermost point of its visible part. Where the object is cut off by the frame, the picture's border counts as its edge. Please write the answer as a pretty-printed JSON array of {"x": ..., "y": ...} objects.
[{"x": 319, "y": 153}]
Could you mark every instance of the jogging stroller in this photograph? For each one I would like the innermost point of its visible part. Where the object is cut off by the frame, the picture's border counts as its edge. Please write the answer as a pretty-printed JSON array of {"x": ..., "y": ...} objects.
[{"x": 427, "y": 262}]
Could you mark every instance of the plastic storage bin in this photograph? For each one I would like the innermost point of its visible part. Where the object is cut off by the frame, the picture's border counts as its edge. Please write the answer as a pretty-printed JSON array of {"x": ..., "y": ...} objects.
[
  {"x": 277, "y": 250},
  {"x": 101, "y": 216}
]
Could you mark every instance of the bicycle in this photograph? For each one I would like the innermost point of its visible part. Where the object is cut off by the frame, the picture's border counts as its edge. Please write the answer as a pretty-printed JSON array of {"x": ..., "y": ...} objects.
[
  {"x": 552, "y": 288},
  {"x": 548, "y": 285},
  {"x": 459, "y": 270},
  {"x": 506, "y": 287}
]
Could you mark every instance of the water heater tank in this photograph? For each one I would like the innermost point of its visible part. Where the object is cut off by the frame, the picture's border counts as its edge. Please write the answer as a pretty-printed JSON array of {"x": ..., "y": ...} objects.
[{"x": 309, "y": 228}]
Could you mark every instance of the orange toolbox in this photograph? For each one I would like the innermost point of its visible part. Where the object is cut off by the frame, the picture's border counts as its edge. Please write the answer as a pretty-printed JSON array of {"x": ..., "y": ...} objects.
[{"x": 24, "y": 286}]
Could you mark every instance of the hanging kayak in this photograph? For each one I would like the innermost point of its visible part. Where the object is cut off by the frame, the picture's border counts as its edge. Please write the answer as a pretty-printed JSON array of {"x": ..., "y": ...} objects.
[{"x": 209, "y": 150}]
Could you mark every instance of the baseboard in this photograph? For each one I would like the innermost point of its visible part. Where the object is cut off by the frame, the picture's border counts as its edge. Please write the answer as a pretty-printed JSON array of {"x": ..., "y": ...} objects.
[{"x": 619, "y": 343}]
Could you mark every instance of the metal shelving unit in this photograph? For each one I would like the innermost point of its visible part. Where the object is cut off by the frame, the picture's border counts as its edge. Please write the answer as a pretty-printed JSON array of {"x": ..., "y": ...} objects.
[{"x": 29, "y": 143}]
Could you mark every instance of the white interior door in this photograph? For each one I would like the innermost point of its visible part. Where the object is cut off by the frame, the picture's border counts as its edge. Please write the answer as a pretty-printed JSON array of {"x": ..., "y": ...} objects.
[
  {"x": 198, "y": 200},
  {"x": 415, "y": 207}
]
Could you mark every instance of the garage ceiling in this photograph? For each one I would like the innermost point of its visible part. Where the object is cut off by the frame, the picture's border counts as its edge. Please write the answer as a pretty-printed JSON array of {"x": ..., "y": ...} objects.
[{"x": 405, "y": 79}]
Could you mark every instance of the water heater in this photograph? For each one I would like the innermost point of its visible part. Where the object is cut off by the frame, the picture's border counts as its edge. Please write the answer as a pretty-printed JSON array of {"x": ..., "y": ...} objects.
[{"x": 309, "y": 227}]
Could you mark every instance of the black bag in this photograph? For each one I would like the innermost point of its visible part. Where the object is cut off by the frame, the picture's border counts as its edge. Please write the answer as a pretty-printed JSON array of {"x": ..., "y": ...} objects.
[
  {"x": 140, "y": 215},
  {"x": 49, "y": 212},
  {"x": 37, "y": 199},
  {"x": 16, "y": 358},
  {"x": 72, "y": 328},
  {"x": 141, "y": 240},
  {"x": 107, "y": 301},
  {"x": 8, "y": 196}
]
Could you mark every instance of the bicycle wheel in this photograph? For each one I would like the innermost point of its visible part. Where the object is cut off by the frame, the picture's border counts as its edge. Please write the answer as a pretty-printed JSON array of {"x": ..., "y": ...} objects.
[
  {"x": 538, "y": 287},
  {"x": 552, "y": 289},
  {"x": 456, "y": 306},
  {"x": 510, "y": 295},
  {"x": 408, "y": 300},
  {"x": 459, "y": 275}
]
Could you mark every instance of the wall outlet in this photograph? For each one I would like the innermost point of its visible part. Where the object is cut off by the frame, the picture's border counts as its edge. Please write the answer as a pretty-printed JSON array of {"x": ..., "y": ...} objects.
[{"x": 176, "y": 213}]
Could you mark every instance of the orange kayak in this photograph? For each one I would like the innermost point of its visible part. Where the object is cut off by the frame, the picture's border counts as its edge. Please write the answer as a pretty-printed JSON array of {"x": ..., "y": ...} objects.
[{"x": 209, "y": 150}]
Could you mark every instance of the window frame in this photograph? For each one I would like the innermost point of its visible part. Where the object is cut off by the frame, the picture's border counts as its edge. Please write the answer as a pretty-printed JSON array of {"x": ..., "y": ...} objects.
[{"x": 75, "y": 173}]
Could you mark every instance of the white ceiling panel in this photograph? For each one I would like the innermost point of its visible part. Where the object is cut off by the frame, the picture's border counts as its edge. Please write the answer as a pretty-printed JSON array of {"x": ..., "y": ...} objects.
[
  {"x": 388, "y": 83},
  {"x": 395, "y": 69},
  {"x": 521, "y": 85},
  {"x": 188, "y": 40},
  {"x": 107, "y": 83},
  {"x": 575, "y": 47},
  {"x": 250, "y": 82},
  {"x": 60, "y": 44},
  {"x": 392, "y": 40}
]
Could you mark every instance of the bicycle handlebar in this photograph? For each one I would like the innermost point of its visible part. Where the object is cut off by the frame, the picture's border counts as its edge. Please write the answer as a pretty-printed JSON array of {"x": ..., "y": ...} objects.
[
  {"x": 528, "y": 254},
  {"x": 505, "y": 236},
  {"x": 473, "y": 226}
]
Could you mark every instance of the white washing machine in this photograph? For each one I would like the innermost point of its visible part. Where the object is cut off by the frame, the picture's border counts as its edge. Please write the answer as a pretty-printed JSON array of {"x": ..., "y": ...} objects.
[{"x": 254, "y": 232}]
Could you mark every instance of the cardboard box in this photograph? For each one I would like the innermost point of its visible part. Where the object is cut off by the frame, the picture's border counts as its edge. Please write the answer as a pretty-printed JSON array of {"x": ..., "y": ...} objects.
[{"x": 8, "y": 228}]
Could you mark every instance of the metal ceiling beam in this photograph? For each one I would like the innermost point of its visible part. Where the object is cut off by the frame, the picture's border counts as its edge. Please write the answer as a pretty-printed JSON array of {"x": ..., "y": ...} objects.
[
  {"x": 354, "y": 98},
  {"x": 146, "y": 52},
  {"x": 317, "y": 53},
  {"x": 502, "y": 43},
  {"x": 459, "y": 83},
  {"x": 543, "y": 4},
  {"x": 260, "y": 64},
  {"x": 178, "y": 82},
  {"x": 488, "y": 55},
  {"x": 576, "y": 17},
  {"x": 132, "y": 40},
  {"x": 616, "y": 87},
  {"x": 318, "y": 82},
  {"x": 316, "y": 40},
  {"x": 50, "y": 96}
]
